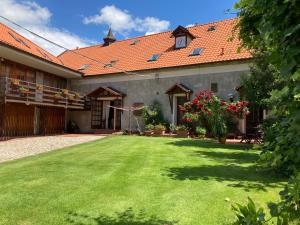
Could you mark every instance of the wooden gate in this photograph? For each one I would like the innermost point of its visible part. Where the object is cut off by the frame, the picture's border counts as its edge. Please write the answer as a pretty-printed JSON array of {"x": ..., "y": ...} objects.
[
  {"x": 52, "y": 120},
  {"x": 19, "y": 120}
]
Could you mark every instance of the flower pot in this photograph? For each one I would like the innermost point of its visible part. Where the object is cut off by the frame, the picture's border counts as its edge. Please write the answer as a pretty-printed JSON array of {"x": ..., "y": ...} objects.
[
  {"x": 182, "y": 133},
  {"x": 222, "y": 140},
  {"x": 148, "y": 133}
]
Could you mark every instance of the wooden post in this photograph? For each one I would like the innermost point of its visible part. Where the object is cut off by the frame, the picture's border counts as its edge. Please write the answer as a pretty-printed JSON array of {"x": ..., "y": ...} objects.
[{"x": 129, "y": 111}]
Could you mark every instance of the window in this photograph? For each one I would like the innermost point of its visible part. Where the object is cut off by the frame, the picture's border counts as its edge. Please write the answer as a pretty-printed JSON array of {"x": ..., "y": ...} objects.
[
  {"x": 110, "y": 64},
  {"x": 84, "y": 67},
  {"x": 211, "y": 28},
  {"x": 196, "y": 51},
  {"x": 44, "y": 54},
  {"x": 134, "y": 42},
  {"x": 154, "y": 57},
  {"x": 214, "y": 87},
  {"x": 18, "y": 39}
]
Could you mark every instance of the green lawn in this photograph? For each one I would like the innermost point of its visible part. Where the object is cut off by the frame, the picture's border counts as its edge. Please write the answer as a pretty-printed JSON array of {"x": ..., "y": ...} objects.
[{"x": 133, "y": 181}]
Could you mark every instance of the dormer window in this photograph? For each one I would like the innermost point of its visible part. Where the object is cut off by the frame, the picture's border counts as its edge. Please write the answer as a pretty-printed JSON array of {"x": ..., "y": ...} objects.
[
  {"x": 182, "y": 37},
  {"x": 180, "y": 42}
]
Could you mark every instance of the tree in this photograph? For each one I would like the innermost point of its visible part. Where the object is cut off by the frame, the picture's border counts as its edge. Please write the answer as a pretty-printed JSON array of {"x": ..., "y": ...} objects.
[{"x": 272, "y": 28}]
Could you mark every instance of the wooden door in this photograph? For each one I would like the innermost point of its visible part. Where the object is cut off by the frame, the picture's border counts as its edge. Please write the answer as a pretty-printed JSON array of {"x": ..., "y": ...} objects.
[
  {"x": 52, "y": 120},
  {"x": 19, "y": 120}
]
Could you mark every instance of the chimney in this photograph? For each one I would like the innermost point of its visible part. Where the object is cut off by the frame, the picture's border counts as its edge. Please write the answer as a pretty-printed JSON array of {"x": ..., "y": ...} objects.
[{"x": 109, "y": 39}]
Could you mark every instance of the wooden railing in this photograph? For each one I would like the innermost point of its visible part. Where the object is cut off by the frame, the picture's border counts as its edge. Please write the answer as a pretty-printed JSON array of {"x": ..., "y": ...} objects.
[{"x": 19, "y": 91}]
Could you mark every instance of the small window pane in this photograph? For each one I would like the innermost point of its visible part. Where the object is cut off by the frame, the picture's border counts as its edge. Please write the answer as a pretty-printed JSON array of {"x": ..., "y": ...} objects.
[
  {"x": 214, "y": 87},
  {"x": 154, "y": 57},
  {"x": 196, "y": 51}
]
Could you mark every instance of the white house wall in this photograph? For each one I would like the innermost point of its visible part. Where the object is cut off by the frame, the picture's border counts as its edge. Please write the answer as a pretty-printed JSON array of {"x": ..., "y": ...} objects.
[{"x": 153, "y": 85}]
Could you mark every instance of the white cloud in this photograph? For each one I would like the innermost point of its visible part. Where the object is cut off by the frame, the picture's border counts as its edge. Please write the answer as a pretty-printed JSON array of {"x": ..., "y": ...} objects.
[
  {"x": 122, "y": 22},
  {"x": 38, "y": 18}
]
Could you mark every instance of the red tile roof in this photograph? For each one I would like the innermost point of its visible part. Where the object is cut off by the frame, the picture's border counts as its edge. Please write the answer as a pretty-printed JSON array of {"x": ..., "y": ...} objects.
[
  {"x": 217, "y": 48},
  {"x": 11, "y": 38}
]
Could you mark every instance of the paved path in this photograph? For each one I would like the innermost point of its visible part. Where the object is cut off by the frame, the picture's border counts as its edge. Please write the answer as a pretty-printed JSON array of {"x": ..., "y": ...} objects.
[{"x": 22, "y": 147}]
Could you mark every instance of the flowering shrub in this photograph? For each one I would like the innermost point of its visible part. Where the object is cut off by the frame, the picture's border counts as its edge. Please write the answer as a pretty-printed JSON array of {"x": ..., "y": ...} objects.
[{"x": 207, "y": 106}]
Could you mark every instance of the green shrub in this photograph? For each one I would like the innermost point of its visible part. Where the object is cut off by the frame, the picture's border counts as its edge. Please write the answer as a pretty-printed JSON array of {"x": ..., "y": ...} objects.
[
  {"x": 182, "y": 128},
  {"x": 152, "y": 114},
  {"x": 200, "y": 131},
  {"x": 172, "y": 128},
  {"x": 248, "y": 214},
  {"x": 149, "y": 127},
  {"x": 159, "y": 127}
]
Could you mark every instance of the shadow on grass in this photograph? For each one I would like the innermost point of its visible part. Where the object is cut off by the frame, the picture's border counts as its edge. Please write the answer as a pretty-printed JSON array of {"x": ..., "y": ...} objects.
[
  {"x": 233, "y": 157},
  {"x": 239, "y": 176},
  {"x": 208, "y": 144},
  {"x": 127, "y": 217}
]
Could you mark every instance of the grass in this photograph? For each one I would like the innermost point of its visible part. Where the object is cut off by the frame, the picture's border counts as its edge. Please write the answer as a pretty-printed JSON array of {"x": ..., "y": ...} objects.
[{"x": 133, "y": 181}]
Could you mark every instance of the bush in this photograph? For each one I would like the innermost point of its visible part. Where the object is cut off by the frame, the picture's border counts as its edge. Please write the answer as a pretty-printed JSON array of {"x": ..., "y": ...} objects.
[
  {"x": 172, "y": 128},
  {"x": 149, "y": 127},
  {"x": 72, "y": 127},
  {"x": 153, "y": 114},
  {"x": 200, "y": 131},
  {"x": 182, "y": 128},
  {"x": 248, "y": 214},
  {"x": 159, "y": 127}
]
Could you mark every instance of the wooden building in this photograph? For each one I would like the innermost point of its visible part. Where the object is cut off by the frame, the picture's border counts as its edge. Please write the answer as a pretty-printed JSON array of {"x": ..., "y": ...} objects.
[{"x": 34, "y": 90}]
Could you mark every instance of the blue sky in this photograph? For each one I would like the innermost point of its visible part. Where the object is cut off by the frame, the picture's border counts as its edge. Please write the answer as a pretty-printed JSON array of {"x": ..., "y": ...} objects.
[{"x": 79, "y": 23}]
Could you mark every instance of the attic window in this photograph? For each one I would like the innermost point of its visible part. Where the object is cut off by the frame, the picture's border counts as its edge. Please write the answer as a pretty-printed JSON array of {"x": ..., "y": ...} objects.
[
  {"x": 154, "y": 57},
  {"x": 18, "y": 39},
  {"x": 211, "y": 28},
  {"x": 44, "y": 54},
  {"x": 84, "y": 67},
  {"x": 134, "y": 42},
  {"x": 110, "y": 64},
  {"x": 196, "y": 51}
]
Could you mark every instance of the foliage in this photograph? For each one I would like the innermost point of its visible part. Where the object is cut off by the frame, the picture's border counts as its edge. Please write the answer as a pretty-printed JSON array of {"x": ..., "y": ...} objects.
[
  {"x": 125, "y": 132},
  {"x": 272, "y": 28},
  {"x": 208, "y": 107},
  {"x": 159, "y": 127},
  {"x": 153, "y": 114},
  {"x": 201, "y": 131},
  {"x": 172, "y": 128},
  {"x": 149, "y": 127},
  {"x": 182, "y": 128},
  {"x": 256, "y": 86},
  {"x": 248, "y": 214},
  {"x": 288, "y": 209}
]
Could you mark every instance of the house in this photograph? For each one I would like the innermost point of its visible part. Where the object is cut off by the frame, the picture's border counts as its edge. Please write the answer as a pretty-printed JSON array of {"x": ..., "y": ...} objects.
[
  {"x": 170, "y": 67},
  {"x": 35, "y": 92}
]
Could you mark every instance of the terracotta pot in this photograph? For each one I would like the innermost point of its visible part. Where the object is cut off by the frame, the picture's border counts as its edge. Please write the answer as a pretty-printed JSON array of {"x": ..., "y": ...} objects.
[
  {"x": 182, "y": 133},
  {"x": 148, "y": 132},
  {"x": 222, "y": 140}
]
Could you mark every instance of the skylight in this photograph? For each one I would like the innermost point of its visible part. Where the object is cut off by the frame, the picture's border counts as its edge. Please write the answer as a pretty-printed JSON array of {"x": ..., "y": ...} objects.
[
  {"x": 112, "y": 62},
  {"x": 44, "y": 54},
  {"x": 211, "y": 28},
  {"x": 196, "y": 51},
  {"x": 84, "y": 67},
  {"x": 134, "y": 42},
  {"x": 154, "y": 57},
  {"x": 18, "y": 39}
]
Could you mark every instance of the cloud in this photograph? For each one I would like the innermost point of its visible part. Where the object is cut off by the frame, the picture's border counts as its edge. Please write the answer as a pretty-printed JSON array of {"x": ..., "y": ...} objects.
[
  {"x": 37, "y": 18},
  {"x": 122, "y": 22}
]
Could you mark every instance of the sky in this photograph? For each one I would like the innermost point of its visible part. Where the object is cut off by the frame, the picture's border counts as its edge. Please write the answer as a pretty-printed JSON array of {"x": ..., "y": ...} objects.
[{"x": 78, "y": 23}]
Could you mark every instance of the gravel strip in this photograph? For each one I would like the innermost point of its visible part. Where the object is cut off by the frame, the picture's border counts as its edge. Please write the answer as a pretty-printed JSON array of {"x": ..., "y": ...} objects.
[{"x": 22, "y": 147}]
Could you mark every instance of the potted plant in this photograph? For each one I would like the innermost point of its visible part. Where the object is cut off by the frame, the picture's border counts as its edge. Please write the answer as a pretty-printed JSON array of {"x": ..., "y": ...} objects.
[
  {"x": 15, "y": 82},
  {"x": 220, "y": 130},
  {"x": 182, "y": 131},
  {"x": 24, "y": 90},
  {"x": 200, "y": 131},
  {"x": 149, "y": 130},
  {"x": 159, "y": 129},
  {"x": 172, "y": 128},
  {"x": 39, "y": 87}
]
